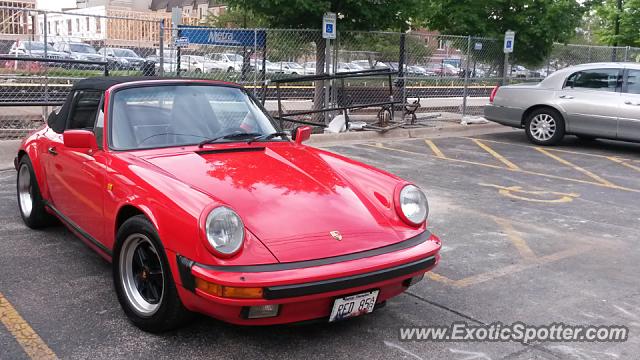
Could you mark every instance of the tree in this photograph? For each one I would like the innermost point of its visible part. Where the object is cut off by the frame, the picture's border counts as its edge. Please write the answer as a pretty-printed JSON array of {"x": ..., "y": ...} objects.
[
  {"x": 352, "y": 15},
  {"x": 606, "y": 12},
  {"x": 537, "y": 23}
]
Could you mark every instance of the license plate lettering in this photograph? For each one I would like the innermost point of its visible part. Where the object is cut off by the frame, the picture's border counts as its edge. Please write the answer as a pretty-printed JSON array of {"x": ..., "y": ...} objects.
[{"x": 353, "y": 305}]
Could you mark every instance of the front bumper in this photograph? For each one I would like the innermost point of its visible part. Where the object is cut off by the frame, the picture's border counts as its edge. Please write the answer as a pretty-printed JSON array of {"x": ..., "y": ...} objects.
[{"x": 306, "y": 290}]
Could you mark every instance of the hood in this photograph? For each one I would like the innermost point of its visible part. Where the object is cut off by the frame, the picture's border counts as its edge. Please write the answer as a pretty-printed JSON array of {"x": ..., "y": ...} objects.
[{"x": 287, "y": 196}]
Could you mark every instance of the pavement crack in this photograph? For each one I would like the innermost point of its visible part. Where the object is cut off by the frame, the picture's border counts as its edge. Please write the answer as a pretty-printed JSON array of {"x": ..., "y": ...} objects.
[{"x": 446, "y": 308}]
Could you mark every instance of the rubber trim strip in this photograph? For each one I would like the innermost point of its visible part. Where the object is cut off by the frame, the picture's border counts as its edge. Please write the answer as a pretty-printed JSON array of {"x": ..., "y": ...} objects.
[{"x": 411, "y": 242}]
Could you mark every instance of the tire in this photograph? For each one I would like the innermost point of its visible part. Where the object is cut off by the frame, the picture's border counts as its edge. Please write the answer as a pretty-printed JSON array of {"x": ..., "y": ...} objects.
[
  {"x": 30, "y": 202},
  {"x": 230, "y": 70},
  {"x": 142, "y": 278},
  {"x": 197, "y": 71},
  {"x": 545, "y": 126}
]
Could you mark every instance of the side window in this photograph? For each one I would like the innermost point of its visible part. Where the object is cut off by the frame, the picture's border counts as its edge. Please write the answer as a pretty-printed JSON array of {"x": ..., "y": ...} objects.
[
  {"x": 594, "y": 79},
  {"x": 84, "y": 109},
  {"x": 633, "y": 82}
]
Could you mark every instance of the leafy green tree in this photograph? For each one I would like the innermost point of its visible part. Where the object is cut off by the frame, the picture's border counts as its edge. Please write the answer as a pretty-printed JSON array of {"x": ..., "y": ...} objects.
[
  {"x": 605, "y": 13},
  {"x": 537, "y": 23},
  {"x": 352, "y": 15}
]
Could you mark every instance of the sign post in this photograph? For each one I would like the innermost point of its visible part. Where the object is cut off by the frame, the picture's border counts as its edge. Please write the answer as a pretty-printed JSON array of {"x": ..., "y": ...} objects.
[
  {"x": 328, "y": 33},
  {"x": 176, "y": 21},
  {"x": 509, "y": 41}
]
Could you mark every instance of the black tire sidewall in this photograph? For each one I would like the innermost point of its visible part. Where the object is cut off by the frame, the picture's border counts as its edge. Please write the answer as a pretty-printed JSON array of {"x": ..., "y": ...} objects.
[
  {"x": 171, "y": 311},
  {"x": 560, "y": 126}
]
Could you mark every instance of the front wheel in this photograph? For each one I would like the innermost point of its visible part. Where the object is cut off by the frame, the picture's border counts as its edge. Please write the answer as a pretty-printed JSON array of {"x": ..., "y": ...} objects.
[
  {"x": 142, "y": 278},
  {"x": 545, "y": 126}
]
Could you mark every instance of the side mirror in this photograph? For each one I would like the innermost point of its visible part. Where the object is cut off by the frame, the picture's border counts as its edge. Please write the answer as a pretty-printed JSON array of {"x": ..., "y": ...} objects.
[
  {"x": 80, "y": 139},
  {"x": 301, "y": 133}
]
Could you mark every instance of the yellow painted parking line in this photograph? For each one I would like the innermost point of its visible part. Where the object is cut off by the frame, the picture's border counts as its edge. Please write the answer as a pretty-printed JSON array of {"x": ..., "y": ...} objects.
[
  {"x": 576, "y": 167},
  {"x": 579, "y": 181},
  {"x": 517, "y": 240},
  {"x": 435, "y": 149},
  {"x": 553, "y": 149},
  {"x": 510, "y": 269},
  {"x": 517, "y": 192},
  {"x": 495, "y": 154},
  {"x": 624, "y": 163},
  {"x": 30, "y": 341}
]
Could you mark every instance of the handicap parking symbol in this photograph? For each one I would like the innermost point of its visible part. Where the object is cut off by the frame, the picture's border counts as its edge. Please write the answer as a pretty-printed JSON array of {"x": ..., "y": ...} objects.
[{"x": 329, "y": 28}]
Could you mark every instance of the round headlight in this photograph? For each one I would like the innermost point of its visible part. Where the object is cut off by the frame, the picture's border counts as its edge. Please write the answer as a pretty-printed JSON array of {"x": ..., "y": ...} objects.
[
  {"x": 225, "y": 230},
  {"x": 413, "y": 204}
]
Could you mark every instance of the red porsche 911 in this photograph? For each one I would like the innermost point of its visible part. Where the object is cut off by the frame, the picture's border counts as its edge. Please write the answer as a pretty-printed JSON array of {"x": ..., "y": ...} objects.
[{"x": 202, "y": 204}]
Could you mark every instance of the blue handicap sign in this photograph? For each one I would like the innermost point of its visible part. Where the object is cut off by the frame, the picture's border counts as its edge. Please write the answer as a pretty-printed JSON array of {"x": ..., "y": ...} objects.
[
  {"x": 329, "y": 29},
  {"x": 508, "y": 44}
]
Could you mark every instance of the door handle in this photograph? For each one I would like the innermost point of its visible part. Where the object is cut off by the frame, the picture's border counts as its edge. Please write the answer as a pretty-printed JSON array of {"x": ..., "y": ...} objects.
[
  {"x": 566, "y": 97},
  {"x": 629, "y": 102},
  {"x": 52, "y": 150}
]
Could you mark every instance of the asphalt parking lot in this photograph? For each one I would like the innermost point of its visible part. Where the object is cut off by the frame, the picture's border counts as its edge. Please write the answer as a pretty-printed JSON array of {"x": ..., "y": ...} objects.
[{"x": 532, "y": 235}]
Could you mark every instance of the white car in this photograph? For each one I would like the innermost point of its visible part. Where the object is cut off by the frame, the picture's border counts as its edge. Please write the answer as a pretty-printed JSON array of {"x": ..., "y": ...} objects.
[
  {"x": 227, "y": 61},
  {"x": 348, "y": 67},
  {"x": 290, "y": 68},
  {"x": 35, "y": 49},
  {"x": 310, "y": 68},
  {"x": 198, "y": 64},
  {"x": 271, "y": 68}
]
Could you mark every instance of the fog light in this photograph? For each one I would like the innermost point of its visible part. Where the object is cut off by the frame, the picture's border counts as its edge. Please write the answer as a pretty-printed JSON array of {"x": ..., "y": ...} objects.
[{"x": 263, "y": 311}]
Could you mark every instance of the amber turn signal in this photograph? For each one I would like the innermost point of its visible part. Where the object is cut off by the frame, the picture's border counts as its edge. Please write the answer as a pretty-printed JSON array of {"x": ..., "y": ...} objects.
[{"x": 228, "y": 291}]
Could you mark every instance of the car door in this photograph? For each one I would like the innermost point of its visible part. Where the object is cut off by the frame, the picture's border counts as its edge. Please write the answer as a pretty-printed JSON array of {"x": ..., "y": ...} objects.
[
  {"x": 629, "y": 115},
  {"x": 590, "y": 100},
  {"x": 77, "y": 177}
]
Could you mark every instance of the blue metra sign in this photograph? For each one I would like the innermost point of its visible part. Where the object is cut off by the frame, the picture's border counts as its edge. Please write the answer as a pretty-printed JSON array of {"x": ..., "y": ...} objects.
[{"x": 226, "y": 37}]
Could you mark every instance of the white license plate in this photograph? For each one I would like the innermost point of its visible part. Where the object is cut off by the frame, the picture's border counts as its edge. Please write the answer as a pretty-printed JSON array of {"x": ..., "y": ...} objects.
[{"x": 353, "y": 305}]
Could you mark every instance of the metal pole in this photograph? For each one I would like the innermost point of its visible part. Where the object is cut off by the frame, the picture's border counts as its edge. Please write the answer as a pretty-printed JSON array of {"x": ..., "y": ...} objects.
[
  {"x": 401, "y": 61},
  {"x": 255, "y": 55},
  {"x": 178, "y": 55},
  {"x": 327, "y": 66},
  {"x": 466, "y": 79},
  {"x": 505, "y": 79},
  {"x": 161, "y": 44},
  {"x": 46, "y": 45},
  {"x": 626, "y": 53}
]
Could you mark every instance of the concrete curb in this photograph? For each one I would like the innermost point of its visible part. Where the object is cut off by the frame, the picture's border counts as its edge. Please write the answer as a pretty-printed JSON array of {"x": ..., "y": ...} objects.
[{"x": 445, "y": 130}]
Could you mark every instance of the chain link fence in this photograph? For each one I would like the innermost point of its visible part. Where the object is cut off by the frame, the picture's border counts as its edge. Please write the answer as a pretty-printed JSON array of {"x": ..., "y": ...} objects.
[{"x": 445, "y": 77}]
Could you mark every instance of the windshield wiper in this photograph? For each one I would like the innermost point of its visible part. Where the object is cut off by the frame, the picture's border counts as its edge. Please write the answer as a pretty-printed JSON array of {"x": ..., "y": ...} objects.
[
  {"x": 268, "y": 136},
  {"x": 232, "y": 136}
]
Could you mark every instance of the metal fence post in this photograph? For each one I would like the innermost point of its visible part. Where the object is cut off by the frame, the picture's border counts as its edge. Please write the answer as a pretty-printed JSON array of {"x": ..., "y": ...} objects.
[
  {"x": 161, "y": 44},
  {"x": 327, "y": 83},
  {"x": 626, "y": 54},
  {"x": 46, "y": 44},
  {"x": 255, "y": 67},
  {"x": 401, "y": 75},
  {"x": 466, "y": 78}
]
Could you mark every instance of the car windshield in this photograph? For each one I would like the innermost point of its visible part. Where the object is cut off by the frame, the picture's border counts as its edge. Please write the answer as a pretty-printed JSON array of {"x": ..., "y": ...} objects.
[
  {"x": 82, "y": 48},
  {"x": 125, "y": 53},
  {"x": 177, "y": 115},
  {"x": 31, "y": 45}
]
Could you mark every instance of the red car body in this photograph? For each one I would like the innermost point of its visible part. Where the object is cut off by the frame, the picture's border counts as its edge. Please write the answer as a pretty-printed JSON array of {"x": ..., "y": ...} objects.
[{"x": 289, "y": 196}]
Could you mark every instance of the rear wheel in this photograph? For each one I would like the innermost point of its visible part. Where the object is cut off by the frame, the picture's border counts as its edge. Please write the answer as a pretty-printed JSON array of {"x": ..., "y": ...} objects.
[
  {"x": 545, "y": 126},
  {"x": 30, "y": 201},
  {"x": 142, "y": 278}
]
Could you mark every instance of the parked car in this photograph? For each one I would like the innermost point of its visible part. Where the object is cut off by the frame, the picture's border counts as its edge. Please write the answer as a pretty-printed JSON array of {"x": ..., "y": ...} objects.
[
  {"x": 440, "y": 69},
  {"x": 417, "y": 70},
  {"x": 199, "y": 64},
  {"x": 366, "y": 65},
  {"x": 271, "y": 68},
  {"x": 310, "y": 68},
  {"x": 119, "y": 58},
  {"x": 227, "y": 61},
  {"x": 201, "y": 204},
  {"x": 35, "y": 49},
  {"x": 600, "y": 100},
  {"x": 348, "y": 67},
  {"x": 80, "y": 51},
  {"x": 169, "y": 65},
  {"x": 290, "y": 68},
  {"x": 520, "y": 71}
]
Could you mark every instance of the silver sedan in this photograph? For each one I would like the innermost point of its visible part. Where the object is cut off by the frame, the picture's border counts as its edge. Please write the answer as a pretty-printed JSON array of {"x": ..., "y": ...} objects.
[{"x": 600, "y": 100}]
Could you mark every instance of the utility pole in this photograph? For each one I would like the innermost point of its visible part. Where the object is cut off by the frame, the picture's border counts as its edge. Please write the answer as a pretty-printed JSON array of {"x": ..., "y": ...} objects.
[{"x": 616, "y": 31}]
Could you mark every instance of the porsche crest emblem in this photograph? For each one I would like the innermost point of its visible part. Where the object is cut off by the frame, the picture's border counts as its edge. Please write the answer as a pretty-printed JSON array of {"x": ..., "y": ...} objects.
[{"x": 336, "y": 235}]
